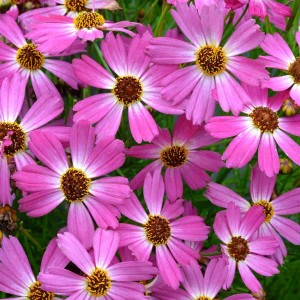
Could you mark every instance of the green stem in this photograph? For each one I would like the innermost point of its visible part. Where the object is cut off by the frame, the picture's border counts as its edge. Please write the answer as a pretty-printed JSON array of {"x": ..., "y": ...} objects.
[
  {"x": 31, "y": 238},
  {"x": 294, "y": 14},
  {"x": 158, "y": 28}
]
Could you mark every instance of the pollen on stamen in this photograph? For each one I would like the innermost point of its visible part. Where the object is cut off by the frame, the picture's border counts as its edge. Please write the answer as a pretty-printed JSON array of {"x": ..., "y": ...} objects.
[
  {"x": 294, "y": 70},
  {"x": 98, "y": 283},
  {"x": 30, "y": 58},
  {"x": 36, "y": 293},
  {"x": 174, "y": 156},
  {"x": 268, "y": 209},
  {"x": 75, "y": 5},
  {"x": 265, "y": 119},
  {"x": 211, "y": 60},
  {"x": 238, "y": 248},
  {"x": 88, "y": 20},
  {"x": 128, "y": 90},
  {"x": 16, "y": 136},
  {"x": 158, "y": 230},
  {"x": 75, "y": 185}
]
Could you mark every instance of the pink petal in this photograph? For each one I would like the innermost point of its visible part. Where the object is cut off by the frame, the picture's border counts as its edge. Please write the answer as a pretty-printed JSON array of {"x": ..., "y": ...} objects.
[
  {"x": 105, "y": 245},
  {"x": 81, "y": 258},
  {"x": 287, "y": 203},
  {"x": 268, "y": 159},
  {"x": 80, "y": 223},
  {"x": 262, "y": 265},
  {"x": 12, "y": 97},
  {"x": 227, "y": 126},
  {"x": 287, "y": 228},
  {"x": 243, "y": 147},
  {"x": 142, "y": 125},
  {"x": 261, "y": 186},
  {"x": 173, "y": 183},
  {"x": 289, "y": 146},
  {"x": 41, "y": 203},
  {"x": 295, "y": 93},
  {"x": 221, "y": 196},
  {"x": 94, "y": 75},
  {"x": 82, "y": 141},
  {"x": 249, "y": 279},
  {"x": 266, "y": 245},
  {"x": 167, "y": 267},
  {"x": 154, "y": 192},
  {"x": 290, "y": 124},
  {"x": 6, "y": 197},
  {"x": 47, "y": 147}
]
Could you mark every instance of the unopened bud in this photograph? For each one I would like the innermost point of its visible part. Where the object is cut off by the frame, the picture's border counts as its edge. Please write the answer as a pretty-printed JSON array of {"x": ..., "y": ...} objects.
[
  {"x": 261, "y": 295},
  {"x": 286, "y": 166},
  {"x": 289, "y": 107}
]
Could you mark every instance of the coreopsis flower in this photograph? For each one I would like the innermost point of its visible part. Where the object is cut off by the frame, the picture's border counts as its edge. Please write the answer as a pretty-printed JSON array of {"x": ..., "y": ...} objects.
[
  {"x": 261, "y": 8},
  {"x": 101, "y": 278},
  {"x": 210, "y": 64},
  {"x": 16, "y": 276},
  {"x": 259, "y": 129},
  {"x": 55, "y": 34},
  {"x": 14, "y": 134},
  {"x": 281, "y": 57},
  {"x": 25, "y": 58},
  {"x": 59, "y": 180},
  {"x": 179, "y": 156},
  {"x": 242, "y": 248},
  {"x": 162, "y": 230},
  {"x": 70, "y": 8},
  {"x": 137, "y": 82},
  {"x": 261, "y": 188}
]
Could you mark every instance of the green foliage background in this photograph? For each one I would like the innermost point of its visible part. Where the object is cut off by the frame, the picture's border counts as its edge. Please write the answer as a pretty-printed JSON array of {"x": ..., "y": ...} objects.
[{"x": 34, "y": 234}]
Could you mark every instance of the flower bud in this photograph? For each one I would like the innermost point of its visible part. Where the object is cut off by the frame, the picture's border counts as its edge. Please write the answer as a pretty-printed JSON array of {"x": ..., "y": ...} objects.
[
  {"x": 286, "y": 166},
  {"x": 289, "y": 107}
]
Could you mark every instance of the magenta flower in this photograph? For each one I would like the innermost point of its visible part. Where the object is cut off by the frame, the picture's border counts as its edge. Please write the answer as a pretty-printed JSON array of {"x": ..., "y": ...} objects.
[
  {"x": 281, "y": 57},
  {"x": 58, "y": 181},
  {"x": 29, "y": 61},
  {"x": 261, "y": 188},
  {"x": 180, "y": 156},
  {"x": 16, "y": 276},
  {"x": 162, "y": 230},
  {"x": 210, "y": 65},
  {"x": 71, "y": 8},
  {"x": 101, "y": 279},
  {"x": 262, "y": 8},
  {"x": 260, "y": 129},
  {"x": 14, "y": 134},
  {"x": 137, "y": 81},
  {"x": 55, "y": 34},
  {"x": 241, "y": 248}
]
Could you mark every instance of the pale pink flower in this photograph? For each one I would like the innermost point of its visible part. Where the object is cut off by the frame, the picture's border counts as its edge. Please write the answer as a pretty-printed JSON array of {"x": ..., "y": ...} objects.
[
  {"x": 180, "y": 156},
  {"x": 261, "y": 188},
  {"x": 100, "y": 277},
  {"x": 210, "y": 64},
  {"x": 281, "y": 57},
  {"x": 260, "y": 129},
  {"x": 241, "y": 248}
]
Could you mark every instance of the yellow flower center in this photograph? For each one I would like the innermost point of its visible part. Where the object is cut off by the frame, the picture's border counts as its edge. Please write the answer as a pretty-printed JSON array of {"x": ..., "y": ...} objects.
[
  {"x": 30, "y": 58},
  {"x": 88, "y": 20},
  {"x": 238, "y": 248},
  {"x": 174, "y": 156},
  {"x": 98, "y": 283},
  {"x": 75, "y": 5},
  {"x": 264, "y": 118},
  {"x": 268, "y": 209},
  {"x": 211, "y": 60},
  {"x": 36, "y": 293}
]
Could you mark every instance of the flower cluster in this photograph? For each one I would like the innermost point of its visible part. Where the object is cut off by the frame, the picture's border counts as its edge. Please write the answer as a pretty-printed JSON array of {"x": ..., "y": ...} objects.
[{"x": 89, "y": 93}]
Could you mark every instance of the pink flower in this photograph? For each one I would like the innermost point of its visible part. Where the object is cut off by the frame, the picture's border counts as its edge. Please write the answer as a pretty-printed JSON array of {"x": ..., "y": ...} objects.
[
  {"x": 58, "y": 181},
  {"x": 55, "y": 34},
  {"x": 241, "y": 247},
  {"x": 101, "y": 279},
  {"x": 29, "y": 61},
  {"x": 71, "y": 8},
  {"x": 14, "y": 134},
  {"x": 261, "y": 8},
  {"x": 137, "y": 82},
  {"x": 180, "y": 156},
  {"x": 162, "y": 230},
  {"x": 259, "y": 129},
  {"x": 16, "y": 276},
  {"x": 281, "y": 57},
  {"x": 210, "y": 65},
  {"x": 261, "y": 188}
]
